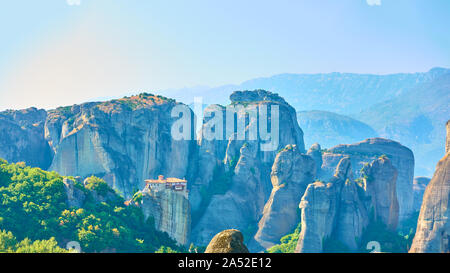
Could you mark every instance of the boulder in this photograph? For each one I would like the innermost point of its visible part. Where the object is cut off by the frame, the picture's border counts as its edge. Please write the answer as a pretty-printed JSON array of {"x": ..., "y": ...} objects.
[{"x": 227, "y": 241}]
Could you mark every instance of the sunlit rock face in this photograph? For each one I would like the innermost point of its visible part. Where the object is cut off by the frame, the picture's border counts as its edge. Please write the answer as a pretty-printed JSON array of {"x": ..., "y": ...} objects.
[
  {"x": 292, "y": 171},
  {"x": 170, "y": 211},
  {"x": 122, "y": 141},
  {"x": 235, "y": 174},
  {"x": 433, "y": 226},
  {"x": 342, "y": 208},
  {"x": 364, "y": 152},
  {"x": 22, "y": 137}
]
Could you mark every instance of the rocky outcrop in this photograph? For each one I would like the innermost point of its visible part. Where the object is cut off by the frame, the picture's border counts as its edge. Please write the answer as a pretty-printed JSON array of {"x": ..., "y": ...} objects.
[
  {"x": 315, "y": 151},
  {"x": 292, "y": 171},
  {"x": 240, "y": 185},
  {"x": 364, "y": 152},
  {"x": 227, "y": 241},
  {"x": 122, "y": 141},
  {"x": 75, "y": 195},
  {"x": 319, "y": 207},
  {"x": 419, "y": 185},
  {"x": 433, "y": 226},
  {"x": 447, "y": 142},
  {"x": 22, "y": 137},
  {"x": 341, "y": 209},
  {"x": 170, "y": 211},
  {"x": 380, "y": 178}
]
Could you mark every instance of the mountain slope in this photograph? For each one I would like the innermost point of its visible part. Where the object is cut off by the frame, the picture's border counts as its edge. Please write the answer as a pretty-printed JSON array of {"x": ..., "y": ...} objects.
[
  {"x": 331, "y": 129},
  {"x": 416, "y": 119}
]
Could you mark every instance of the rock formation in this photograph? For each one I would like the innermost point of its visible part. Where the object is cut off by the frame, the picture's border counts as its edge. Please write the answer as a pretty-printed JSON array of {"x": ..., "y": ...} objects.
[
  {"x": 331, "y": 209},
  {"x": 315, "y": 151},
  {"x": 22, "y": 137},
  {"x": 364, "y": 152},
  {"x": 292, "y": 171},
  {"x": 236, "y": 194},
  {"x": 227, "y": 241},
  {"x": 419, "y": 185},
  {"x": 433, "y": 226},
  {"x": 170, "y": 211},
  {"x": 122, "y": 141},
  {"x": 75, "y": 196},
  {"x": 380, "y": 178},
  {"x": 447, "y": 142},
  {"x": 340, "y": 209}
]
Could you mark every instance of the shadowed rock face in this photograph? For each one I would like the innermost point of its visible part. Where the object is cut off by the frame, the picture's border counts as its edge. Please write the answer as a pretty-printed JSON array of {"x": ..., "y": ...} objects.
[
  {"x": 227, "y": 241},
  {"x": 241, "y": 164},
  {"x": 433, "y": 226},
  {"x": 419, "y": 186},
  {"x": 22, "y": 137},
  {"x": 364, "y": 152},
  {"x": 292, "y": 171}
]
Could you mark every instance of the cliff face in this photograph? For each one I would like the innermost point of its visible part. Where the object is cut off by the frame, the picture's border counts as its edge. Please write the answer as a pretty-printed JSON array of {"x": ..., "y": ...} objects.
[
  {"x": 364, "y": 152},
  {"x": 332, "y": 210},
  {"x": 171, "y": 212},
  {"x": 292, "y": 171},
  {"x": 447, "y": 142},
  {"x": 380, "y": 178},
  {"x": 341, "y": 209},
  {"x": 22, "y": 137},
  {"x": 433, "y": 226},
  {"x": 123, "y": 141},
  {"x": 236, "y": 194}
]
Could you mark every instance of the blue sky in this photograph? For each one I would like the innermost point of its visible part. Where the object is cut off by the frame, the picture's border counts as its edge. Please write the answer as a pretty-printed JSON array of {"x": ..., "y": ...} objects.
[{"x": 53, "y": 53}]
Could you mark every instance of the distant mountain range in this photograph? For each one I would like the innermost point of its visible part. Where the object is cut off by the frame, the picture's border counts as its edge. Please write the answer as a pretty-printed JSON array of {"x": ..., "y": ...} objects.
[{"x": 407, "y": 107}]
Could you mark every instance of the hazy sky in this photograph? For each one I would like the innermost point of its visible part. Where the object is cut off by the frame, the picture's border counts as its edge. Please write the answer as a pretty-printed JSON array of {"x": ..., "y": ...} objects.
[{"x": 56, "y": 52}]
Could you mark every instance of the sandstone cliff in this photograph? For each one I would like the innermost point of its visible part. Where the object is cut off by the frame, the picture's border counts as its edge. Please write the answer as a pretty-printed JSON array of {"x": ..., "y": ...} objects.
[
  {"x": 433, "y": 226},
  {"x": 315, "y": 151},
  {"x": 292, "y": 171},
  {"x": 342, "y": 208},
  {"x": 122, "y": 141},
  {"x": 236, "y": 195},
  {"x": 380, "y": 178},
  {"x": 22, "y": 137},
  {"x": 170, "y": 211},
  {"x": 364, "y": 152},
  {"x": 322, "y": 216}
]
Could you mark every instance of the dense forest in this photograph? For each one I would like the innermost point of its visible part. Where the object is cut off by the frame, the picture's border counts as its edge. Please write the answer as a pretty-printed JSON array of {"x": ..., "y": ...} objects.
[{"x": 35, "y": 216}]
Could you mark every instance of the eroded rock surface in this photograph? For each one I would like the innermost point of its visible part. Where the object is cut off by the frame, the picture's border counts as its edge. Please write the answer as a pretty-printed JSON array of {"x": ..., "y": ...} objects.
[
  {"x": 364, "y": 152},
  {"x": 22, "y": 137},
  {"x": 433, "y": 226},
  {"x": 292, "y": 171},
  {"x": 240, "y": 185},
  {"x": 227, "y": 241}
]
